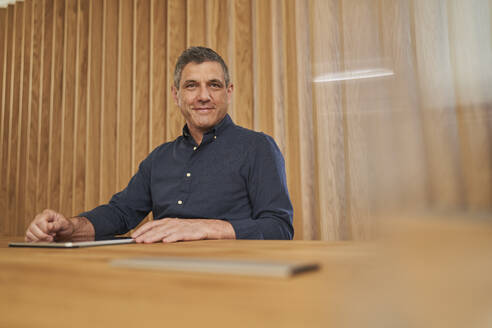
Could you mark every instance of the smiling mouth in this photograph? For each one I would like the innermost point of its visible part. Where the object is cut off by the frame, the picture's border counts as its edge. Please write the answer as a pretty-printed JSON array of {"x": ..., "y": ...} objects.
[{"x": 203, "y": 108}]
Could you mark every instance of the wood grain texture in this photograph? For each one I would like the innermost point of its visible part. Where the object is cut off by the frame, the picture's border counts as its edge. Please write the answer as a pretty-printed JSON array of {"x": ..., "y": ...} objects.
[
  {"x": 35, "y": 109},
  {"x": 290, "y": 87},
  {"x": 15, "y": 109},
  {"x": 109, "y": 102},
  {"x": 196, "y": 27},
  {"x": 242, "y": 70},
  {"x": 25, "y": 102},
  {"x": 176, "y": 43},
  {"x": 44, "y": 121},
  {"x": 142, "y": 81},
  {"x": 4, "y": 27},
  {"x": 307, "y": 158},
  {"x": 218, "y": 32},
  {"x": 86, "y": 95},
  {"x": 263, "y": 75},
  {"x": 93, "y": 150},
  {"x": 56, "y": 107},
  {"x": 329, "y": 120},
  {"x": 216, "y": 294},
  {"x": 125, "y": 107},
  {"x": 278, "y": 75},
  {"x": 406, "y": 128},
  {"x": 158, "y": 83},
  {"x": 438, "y": 105},
  {"x": 68, "y": 115},
  {"x": 6, "y": 114},
  {"x": 81, "y": 107},
  {"x": 358, "y": 47}
]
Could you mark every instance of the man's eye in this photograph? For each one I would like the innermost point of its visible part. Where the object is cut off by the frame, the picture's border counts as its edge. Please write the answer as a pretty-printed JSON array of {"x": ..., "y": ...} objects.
[
  {"x": 216, "y": 85},
  {"x": 189, "y": 86}
]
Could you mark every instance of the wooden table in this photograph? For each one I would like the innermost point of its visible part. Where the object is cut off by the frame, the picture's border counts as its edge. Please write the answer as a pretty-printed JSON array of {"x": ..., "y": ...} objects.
[
  {"x": 420, "y": 273},
  {"x": 78, "y": 287}
]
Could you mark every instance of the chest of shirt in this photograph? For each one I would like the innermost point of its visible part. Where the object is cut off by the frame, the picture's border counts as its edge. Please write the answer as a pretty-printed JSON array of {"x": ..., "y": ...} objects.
[{"x": 212, "y": 166}]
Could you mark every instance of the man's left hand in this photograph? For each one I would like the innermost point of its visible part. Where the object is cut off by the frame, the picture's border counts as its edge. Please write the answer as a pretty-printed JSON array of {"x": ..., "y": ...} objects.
[{"x": 170, "y": 230}]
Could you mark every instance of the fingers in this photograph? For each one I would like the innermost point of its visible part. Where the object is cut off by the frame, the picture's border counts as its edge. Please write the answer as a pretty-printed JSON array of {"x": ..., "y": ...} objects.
[
  {"x": 44, "y": 226},
  {"x": 40, "y": 234},
  {"x": 170, "y": 230},
  {"x": 144, "y": 228},
  {"x": 153, "y": 235},
  {"x": 151, "y": 231}
]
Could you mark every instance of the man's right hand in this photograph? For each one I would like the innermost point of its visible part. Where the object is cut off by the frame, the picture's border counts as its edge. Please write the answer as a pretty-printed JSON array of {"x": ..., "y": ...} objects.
[{"x": 49, "y": 226}]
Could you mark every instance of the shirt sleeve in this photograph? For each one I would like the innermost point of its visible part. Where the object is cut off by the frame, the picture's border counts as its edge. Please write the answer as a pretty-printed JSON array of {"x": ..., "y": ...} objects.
[
  {"x": 272, "y": 211},
  {"x": 127, "y": 208}
]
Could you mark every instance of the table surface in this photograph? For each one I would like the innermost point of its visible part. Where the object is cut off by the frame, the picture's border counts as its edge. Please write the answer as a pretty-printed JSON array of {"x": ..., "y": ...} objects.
[
  {"x": 419, "y": 273},
  {"x": 78, "y": 287}
]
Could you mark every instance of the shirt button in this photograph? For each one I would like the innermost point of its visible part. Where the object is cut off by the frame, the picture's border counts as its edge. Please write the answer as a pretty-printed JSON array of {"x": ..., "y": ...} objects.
[
  {"x": 180, "y": 202},
  {"x": 188, "y": 174},
  {"x": 194, "y": 148}
]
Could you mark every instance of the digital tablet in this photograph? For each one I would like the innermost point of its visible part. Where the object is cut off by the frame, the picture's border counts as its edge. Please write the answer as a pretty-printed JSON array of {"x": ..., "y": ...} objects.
[{"x": 78, "y": 244}]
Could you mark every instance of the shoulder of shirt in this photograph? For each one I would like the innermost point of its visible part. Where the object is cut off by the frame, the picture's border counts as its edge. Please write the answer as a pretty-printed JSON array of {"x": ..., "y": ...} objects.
[
  {"x": 163, "y": 147},
  {"x": 254, "y": 139}
]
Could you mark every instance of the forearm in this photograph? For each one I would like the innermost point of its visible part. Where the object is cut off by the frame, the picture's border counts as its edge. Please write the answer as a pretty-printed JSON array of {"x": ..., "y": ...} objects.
[{"x": 83, "y": 230}]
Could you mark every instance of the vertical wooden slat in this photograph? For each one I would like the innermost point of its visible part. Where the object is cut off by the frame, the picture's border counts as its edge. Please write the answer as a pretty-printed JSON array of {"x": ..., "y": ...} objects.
[
  {"x": 306, "y": 127},
  {"x": 81, "y": 106},
  {"x": 329, "y": 120},
  {"x": 243, "y": 64},
  {"x": 263, "y": 79},
  {"x": 56, "y": 110},
  {"x": 437, "y": 102},
  {"x": 364, "y": 110},
  {"x": 70, "y": 85},
  {"x": 196, "y": 23},
  {"x": 176, "y": 44},
  {"x": 3, "y": 58},
  {"x": 124, "y": 130},
  {"x": 409, "y": 180},
  {"x": 110, "y": 101},
  {"x": 470, "y": 40},
  {"x": 142, "y": 92},
  {"x": 158, "y": 73},
  {"x": 290, "y": 87},
  {"x": 35, "y": 108},
  {"x": 24, "y": 146},
  {"x": 15, "y": 116},
  {"x": 4, "y": 49},
  {"x": 93, "y": 154},
  {"x": 278, "y": 73},
  {"x": 7, "y": 114},
  {"x": 220, "y": 15}
]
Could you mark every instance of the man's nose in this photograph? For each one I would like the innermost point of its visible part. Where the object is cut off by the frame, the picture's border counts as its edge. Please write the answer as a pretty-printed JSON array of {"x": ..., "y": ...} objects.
[{"x": 204, "y": 94}]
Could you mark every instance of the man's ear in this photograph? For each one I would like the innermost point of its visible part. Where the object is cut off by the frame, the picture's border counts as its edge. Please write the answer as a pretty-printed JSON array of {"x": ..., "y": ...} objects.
[
  {"x": 174, "y": 91},
  {"x": 229, "y": 90}
]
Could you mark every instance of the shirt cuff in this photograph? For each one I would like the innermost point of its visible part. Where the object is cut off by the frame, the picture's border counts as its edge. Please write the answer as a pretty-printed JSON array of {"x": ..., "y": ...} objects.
[
  {"x": 103, "y": 228},
  {"x": 246, "y": 229}
]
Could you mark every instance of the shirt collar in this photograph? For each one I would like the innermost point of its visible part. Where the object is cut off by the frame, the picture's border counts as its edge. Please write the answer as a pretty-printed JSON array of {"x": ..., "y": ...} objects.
[{"x": 216, "y": 130}]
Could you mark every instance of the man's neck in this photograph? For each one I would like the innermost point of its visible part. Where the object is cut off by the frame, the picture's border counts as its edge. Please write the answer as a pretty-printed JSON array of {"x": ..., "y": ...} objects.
[{"x": 197, "y": 135}]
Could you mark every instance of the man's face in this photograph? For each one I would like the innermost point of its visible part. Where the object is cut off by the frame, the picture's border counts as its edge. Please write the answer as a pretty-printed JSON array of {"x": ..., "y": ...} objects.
[{"x": 203, "y": 96}]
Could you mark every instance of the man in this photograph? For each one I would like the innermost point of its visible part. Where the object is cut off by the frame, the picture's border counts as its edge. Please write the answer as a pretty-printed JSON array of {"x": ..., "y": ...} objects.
[{"x": 216, "y": 181}]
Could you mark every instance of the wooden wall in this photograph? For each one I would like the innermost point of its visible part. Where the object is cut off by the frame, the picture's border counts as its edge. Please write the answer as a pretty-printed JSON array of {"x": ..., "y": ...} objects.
[{"x": 377, "y": 105}]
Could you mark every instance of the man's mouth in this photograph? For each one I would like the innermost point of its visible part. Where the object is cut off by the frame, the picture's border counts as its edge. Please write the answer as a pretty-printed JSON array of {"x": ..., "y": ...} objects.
[{"x": 203, "y": 109}]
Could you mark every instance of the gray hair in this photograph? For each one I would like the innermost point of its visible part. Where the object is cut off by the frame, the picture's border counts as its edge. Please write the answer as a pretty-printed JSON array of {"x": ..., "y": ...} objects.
[{"x": 198, "y": 55}]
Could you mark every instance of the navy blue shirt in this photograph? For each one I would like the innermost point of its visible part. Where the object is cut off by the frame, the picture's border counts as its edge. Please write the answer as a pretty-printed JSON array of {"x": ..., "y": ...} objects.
[{"x": 235, "y": 174}]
